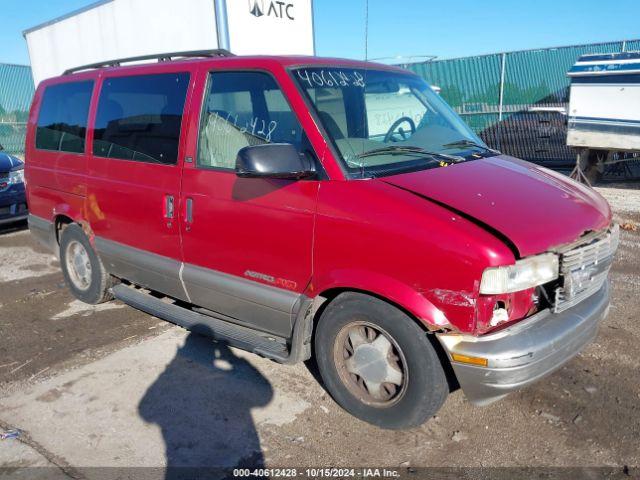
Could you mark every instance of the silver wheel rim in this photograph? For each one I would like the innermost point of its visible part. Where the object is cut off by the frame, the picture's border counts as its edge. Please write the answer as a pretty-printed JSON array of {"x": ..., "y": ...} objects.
[
  {"x": 370, "y": 364},
  {"x": 78, "y": 265}
]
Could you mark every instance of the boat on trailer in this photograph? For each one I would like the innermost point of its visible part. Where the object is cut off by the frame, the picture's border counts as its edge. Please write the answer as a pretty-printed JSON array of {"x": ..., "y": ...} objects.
[
  {"x": 604, "y": 110},
  {"x": 604, "y": 106}
]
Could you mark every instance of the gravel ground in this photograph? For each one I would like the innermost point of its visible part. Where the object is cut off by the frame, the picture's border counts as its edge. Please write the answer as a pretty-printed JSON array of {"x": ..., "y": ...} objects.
[
  {"x": 42, "y": 327},
  {"x": 87, "y": 386},
  {"x": 624, "y": 197}
]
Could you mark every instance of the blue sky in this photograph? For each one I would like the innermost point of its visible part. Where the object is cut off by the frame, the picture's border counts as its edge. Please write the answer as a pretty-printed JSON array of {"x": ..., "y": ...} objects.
[{"x": 408, "y": 27}]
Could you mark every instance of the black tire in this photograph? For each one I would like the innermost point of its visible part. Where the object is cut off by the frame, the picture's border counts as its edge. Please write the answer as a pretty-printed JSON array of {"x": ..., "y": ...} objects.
[
  {"x": 426, "y": 386},
  {"x": 97, "y": 289}
]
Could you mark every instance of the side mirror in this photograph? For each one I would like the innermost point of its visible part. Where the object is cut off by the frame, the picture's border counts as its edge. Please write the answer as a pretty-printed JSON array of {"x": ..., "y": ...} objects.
[{"x": 273, "y": 160}]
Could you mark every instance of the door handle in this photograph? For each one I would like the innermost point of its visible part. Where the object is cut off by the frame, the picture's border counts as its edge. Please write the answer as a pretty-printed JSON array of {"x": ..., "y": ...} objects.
[
  {"x": 168, "y": 206},
  {"x": 188, "y": 212}
]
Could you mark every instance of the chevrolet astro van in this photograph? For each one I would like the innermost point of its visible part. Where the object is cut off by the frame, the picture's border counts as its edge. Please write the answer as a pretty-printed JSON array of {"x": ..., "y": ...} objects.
[{"x": 318, "y": 208}]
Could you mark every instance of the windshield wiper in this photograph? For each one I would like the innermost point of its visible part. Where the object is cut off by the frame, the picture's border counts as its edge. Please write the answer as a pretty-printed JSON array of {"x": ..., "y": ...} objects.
[
  {"x": 471, "y": 143},
  {"x": 401, "y": 150}
]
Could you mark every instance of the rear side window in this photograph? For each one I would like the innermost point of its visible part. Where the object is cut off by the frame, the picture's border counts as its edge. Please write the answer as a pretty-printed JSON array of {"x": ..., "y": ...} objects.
[
  {"x": 62, "y": 120},
  {"x": 139, "y": 117}
]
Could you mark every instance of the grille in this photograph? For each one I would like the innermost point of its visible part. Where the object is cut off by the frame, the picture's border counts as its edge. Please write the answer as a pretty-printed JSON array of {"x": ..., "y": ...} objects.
[{"x": 583, "y": 270}]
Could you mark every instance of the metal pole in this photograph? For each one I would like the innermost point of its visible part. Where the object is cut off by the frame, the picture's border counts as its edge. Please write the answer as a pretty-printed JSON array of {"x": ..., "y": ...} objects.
[
  {"x": 222, "y": 24},
  {"x": 624, "y": 46},
  {"x": 313, "y": 26},
  {"x": 501, "y": 98},
  {"x": 502, "y": 69}
]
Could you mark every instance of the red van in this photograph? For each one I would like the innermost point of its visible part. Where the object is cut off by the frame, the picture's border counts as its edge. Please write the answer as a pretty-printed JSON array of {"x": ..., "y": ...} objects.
[{"x": 311, "y": 207}]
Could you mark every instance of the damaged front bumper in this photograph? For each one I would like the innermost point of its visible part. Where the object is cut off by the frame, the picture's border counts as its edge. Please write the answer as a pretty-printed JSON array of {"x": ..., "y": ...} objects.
[{"x": 525, "y": 352}]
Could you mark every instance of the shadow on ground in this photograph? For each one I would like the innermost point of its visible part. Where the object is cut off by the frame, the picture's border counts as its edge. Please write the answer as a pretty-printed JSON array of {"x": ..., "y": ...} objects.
[
  {"x": 13, "y": 227},
  {"x": 190, "y": 403}
]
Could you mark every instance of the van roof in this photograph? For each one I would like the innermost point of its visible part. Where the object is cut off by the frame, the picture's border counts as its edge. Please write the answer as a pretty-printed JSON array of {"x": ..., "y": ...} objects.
[{"x": 215, "y": 56}]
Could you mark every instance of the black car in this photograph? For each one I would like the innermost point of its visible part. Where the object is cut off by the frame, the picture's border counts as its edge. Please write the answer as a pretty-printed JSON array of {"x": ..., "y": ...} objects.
[
  {"x": 538, "y": 134},
  {"x": 13, "y": 201}
]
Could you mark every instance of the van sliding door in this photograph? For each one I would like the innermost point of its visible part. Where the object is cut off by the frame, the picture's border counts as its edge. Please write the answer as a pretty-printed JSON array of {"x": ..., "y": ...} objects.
[{"x": 134, "y": 176}]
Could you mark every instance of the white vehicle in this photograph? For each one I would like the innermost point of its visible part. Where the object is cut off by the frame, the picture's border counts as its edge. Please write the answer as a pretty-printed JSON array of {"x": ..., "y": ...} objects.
[
  {"x": 604, "y": 109},
  {"x": 111, "y": 29}
]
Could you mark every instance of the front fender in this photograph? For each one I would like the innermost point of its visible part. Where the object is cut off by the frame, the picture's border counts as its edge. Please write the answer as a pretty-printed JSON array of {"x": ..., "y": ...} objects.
[{"x": 385, "y": 287}]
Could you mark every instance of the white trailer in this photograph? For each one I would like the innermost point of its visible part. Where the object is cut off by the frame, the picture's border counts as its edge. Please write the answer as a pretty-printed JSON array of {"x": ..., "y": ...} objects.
[
  {"x": 604, "y": 110},
  {"x": 113, "y": 29}
]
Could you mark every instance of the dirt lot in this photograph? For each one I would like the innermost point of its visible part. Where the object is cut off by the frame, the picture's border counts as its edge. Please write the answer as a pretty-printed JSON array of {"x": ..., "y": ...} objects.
[{"x": 111, "y": 386}]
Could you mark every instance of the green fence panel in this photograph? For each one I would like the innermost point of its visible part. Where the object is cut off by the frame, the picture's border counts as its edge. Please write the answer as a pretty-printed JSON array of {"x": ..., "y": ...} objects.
[
  {"x": 632, "y": 46},
  {"x": 529, "y": 122},
  {"x": 468, "y": 84},
  {"x": 540, "y": 76},
  {"x": 16, "y": 92}
]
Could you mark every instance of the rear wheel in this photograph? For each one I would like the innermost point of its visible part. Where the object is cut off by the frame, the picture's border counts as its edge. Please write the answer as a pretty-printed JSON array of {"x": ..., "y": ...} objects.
[
  {"x": 377, "y": 363},
  {"x": 83, "y": 271}
]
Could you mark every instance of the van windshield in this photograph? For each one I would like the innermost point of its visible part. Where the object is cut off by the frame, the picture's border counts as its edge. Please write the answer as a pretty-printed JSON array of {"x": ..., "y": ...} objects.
[{"x": 384, "y": 122}]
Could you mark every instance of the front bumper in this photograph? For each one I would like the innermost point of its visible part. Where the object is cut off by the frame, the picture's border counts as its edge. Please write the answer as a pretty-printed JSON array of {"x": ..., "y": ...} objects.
[
  {"x": 527, "y": 351},
  {"x": 13, "y": 205}
]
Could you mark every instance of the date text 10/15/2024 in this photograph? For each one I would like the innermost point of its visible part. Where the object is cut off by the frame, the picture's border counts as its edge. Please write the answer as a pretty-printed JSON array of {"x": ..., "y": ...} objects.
[{"x": 317, "y": 473}]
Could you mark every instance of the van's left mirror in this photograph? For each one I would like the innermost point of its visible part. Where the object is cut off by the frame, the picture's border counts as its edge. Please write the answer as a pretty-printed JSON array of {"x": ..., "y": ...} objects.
[{"x": 273, "y": 160}]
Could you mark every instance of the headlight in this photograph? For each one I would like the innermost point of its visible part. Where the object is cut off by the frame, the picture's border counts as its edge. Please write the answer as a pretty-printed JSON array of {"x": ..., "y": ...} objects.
[
  {"x": 527, "y": 273},
  {"x": 15, "y": 177}
]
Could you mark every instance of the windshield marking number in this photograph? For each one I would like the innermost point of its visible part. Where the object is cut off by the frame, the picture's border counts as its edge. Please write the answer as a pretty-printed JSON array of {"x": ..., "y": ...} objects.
[
  {"x": 256, "y": 126},
  {"x": 331, "y": 78}
]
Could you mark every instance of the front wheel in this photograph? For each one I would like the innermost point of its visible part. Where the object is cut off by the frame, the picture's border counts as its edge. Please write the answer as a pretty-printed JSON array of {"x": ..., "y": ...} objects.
[
  {"x": 83, "y": 271},
  {"x": 377, "y": 363}
]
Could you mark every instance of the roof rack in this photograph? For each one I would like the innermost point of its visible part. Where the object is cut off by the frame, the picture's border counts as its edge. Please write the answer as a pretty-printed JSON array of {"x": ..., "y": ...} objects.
[{"x": 161, "y": 57}]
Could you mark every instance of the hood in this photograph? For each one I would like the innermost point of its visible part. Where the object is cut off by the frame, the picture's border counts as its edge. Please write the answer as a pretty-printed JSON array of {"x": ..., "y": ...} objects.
[
  {"x": 536, "y": 209},
  {"x": 8, "y": 163}
]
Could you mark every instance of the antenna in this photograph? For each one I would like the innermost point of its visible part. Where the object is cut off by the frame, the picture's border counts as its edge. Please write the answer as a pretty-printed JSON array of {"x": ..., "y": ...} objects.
[{"x": 366, "y": 30}]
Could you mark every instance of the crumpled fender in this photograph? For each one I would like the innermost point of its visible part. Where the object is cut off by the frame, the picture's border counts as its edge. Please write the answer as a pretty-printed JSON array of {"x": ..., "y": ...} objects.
[{"x": 386, "y": 287}]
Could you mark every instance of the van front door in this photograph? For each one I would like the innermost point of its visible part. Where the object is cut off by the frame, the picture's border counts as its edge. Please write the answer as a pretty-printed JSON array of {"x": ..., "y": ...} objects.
[
  {"x": 247, "y": 242},
  {"x": 134, "y": 177}
]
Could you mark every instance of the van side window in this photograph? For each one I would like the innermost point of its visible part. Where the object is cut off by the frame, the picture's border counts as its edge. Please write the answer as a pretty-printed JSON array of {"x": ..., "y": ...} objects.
[
  {"x": 62, "y": 120},
  {"x": 139, "y": 117},
  {"x": 242, "y": 109}
]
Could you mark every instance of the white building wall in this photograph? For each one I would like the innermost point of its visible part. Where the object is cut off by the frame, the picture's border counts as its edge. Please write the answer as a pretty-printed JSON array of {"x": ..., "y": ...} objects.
[
  {"x": 284, "y": 28},
  {"x": 126, "y": 28},
  {"x": 121, "y": 28}
]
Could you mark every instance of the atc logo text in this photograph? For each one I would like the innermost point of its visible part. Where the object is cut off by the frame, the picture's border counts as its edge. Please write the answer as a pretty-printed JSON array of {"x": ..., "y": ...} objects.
[{"x": 278, "y": 9}]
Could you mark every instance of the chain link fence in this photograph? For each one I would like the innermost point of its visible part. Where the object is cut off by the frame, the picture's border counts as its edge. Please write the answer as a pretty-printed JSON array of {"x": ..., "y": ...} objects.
[
  {"x": 516, "y": 101},
  {"x": 16, "y": 92},
  {"x": 12, "y": 137}
]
